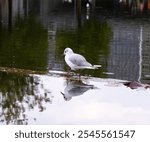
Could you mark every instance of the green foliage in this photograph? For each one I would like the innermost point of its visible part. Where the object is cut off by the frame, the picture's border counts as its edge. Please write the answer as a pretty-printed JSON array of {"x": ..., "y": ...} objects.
[
  {"x": 18, "y": 93},
  {"x": 24, "y": 45}
]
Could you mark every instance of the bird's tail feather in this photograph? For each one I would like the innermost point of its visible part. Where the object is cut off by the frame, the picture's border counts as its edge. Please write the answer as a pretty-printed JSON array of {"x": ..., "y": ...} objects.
[
  {"x": 90, "y": 67},
  {"x": 96, "y": 66}
]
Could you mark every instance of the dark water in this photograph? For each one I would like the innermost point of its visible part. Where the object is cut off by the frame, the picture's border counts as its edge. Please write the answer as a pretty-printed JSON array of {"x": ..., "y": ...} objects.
[{"x": 34, "y": 34}]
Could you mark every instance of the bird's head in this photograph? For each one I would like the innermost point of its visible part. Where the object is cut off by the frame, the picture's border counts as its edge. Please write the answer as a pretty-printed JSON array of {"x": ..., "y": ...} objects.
[{"x": 68, "y": 51}]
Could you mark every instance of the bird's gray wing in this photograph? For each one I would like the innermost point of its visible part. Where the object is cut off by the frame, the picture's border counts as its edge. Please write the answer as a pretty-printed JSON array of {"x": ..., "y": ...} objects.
[{"x": 79, "y": 60}]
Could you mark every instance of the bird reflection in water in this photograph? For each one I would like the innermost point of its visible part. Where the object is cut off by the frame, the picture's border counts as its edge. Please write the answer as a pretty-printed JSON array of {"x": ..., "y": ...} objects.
[{"x": 75, "y": 88}]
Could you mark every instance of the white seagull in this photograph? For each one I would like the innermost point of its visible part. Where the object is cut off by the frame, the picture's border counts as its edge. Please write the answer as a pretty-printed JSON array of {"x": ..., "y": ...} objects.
[{"x": 76, "y": 61}]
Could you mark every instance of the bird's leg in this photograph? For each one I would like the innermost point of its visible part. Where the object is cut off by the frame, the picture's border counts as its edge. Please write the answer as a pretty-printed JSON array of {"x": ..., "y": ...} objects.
[
  {"x": 69, "y": 73},
  {"x": 79, "y": 75}
]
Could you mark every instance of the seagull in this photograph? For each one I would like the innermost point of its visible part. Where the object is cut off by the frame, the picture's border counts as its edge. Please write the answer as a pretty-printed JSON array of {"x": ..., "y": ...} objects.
[{"x": 76, "y": 61}]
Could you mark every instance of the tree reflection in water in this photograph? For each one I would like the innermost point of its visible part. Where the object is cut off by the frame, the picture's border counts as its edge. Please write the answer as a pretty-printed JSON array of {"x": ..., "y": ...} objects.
[{"x": 18, "y": 93}]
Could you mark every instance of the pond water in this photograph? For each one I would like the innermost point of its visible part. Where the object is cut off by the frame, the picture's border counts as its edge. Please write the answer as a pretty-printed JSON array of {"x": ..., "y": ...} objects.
[{"x": 34, "y": 88}]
